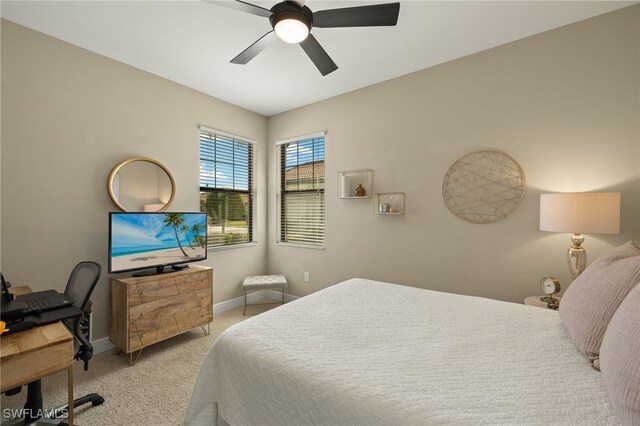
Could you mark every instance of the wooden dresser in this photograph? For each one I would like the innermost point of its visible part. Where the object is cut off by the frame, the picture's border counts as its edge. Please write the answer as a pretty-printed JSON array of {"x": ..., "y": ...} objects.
[{"x": 146, "y": 310}]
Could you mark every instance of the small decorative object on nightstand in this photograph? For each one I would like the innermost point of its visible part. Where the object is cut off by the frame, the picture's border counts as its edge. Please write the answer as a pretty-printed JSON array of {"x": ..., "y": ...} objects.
[
  {"x": 535, "y": 301},
  {"x": 550, "y": 286}
]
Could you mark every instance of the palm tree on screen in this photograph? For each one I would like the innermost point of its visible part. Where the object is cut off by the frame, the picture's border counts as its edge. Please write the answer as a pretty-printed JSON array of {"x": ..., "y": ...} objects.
[
  {"x": 175, "y": 220},
  {"x": 200, "y": 240},
  {"x": 185, "y": 229},
  {"x": 197, "y": 238}
]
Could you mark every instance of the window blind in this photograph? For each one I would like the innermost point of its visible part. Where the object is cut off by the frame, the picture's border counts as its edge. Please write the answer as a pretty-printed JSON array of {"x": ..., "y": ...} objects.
[
  {"x": 226, "y": 188},
  {"x": 302, "y": 182}
]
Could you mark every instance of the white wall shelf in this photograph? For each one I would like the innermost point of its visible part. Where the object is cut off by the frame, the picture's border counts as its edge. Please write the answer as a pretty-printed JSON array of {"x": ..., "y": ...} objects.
[
  {"x": 350, "y": 180},
  {"x": 389, "y": 203}
]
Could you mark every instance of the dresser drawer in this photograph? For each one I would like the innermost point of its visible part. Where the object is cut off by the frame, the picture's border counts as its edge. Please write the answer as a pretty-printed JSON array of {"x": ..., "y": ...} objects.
[{"x": 148, "y": 289}]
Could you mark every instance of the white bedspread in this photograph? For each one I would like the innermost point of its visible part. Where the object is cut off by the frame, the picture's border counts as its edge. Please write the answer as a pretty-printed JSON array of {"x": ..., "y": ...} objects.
[{"x": 369, "y": 353}]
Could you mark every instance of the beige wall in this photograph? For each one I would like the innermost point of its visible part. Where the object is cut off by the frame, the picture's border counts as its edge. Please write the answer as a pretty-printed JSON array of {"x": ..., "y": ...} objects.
[
  {"x": 68, "y": 117},
  {"x": 562, "y": 103}
]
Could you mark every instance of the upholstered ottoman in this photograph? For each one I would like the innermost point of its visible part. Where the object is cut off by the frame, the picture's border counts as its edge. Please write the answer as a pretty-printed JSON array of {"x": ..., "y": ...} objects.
[{"x": 263, "y": 282}]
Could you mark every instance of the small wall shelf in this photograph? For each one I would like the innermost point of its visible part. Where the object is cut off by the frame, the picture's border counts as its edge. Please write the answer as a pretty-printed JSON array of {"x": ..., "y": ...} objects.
[
  {"x": 348, "y": 182},
  {"x": 389, "y": 203}
]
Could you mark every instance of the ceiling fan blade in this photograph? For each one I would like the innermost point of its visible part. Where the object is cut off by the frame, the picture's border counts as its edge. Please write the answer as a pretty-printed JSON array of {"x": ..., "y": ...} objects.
[
  {"x": 376, "y": 15},
  {"x": 252, "y": 51},
  {"x": 243, "y": 7},
  {"x": 318, "y": 55}
]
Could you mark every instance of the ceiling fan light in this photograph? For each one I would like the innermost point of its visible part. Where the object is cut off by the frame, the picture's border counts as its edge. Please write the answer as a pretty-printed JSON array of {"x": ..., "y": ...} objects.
[{"x": 291, "y": 30}]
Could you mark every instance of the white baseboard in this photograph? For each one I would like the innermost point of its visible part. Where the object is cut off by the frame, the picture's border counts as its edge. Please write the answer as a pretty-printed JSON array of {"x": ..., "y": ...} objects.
[
  {"x": 104, "y": 344},
  {"x": 276, "y": 295}
]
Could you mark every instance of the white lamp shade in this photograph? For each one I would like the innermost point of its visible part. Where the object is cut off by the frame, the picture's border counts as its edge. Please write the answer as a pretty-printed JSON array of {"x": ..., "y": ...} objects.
[{"x": 582, "y": 212}]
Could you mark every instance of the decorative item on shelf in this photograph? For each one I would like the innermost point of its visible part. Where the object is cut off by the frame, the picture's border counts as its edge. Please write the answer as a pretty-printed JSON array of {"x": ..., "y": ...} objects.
[
  {"x": 355, "y": 184},
  {"x": 550, "y": 286},
  {"x": 484, "y": 186},
  {"x": 394, "y": 208},
  {"x": 389, "y": 203},
  {"x": 588, "y": 212},
  {"x": 344, "y": 188}
]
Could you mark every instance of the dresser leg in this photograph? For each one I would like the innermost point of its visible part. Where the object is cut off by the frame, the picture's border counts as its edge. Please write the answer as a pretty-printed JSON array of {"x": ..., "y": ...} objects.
[
  {"x": 132, "y": 361},
  {"x": 206, "y": 331}
]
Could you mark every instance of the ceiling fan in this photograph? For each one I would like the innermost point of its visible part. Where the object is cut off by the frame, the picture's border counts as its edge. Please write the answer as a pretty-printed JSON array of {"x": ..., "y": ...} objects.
[{"x": 292, "y": 22}]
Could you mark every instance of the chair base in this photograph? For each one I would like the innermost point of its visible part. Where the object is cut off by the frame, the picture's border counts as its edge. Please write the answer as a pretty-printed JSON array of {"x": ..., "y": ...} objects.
[{"x": 92, "y": 398}]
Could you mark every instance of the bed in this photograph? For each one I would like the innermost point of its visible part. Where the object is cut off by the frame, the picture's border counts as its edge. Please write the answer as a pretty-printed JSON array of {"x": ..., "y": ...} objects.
[{"x": 370, "y": 353}]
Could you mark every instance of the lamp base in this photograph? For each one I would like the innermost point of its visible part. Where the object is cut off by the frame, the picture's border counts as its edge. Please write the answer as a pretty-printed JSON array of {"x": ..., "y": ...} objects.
[{"x": 576, "y": 256}]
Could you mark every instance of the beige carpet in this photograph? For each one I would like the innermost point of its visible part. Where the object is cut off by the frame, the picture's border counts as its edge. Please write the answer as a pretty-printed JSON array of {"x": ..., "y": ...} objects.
[{"x": 155, "y": 391}]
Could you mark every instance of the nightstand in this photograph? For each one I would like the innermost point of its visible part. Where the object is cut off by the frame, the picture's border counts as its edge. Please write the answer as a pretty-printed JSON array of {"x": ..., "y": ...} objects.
[{"x": 535, "y": 301}]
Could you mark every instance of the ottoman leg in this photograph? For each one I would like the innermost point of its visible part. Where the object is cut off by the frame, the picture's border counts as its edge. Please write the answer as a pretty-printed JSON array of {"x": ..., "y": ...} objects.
[
  {"x": 244, "y": 312},
  {"x": 283, "y": 296}
]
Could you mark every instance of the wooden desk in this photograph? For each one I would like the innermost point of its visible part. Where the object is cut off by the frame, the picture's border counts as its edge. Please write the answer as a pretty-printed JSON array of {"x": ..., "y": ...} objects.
[{"x": 36, "y": 353}]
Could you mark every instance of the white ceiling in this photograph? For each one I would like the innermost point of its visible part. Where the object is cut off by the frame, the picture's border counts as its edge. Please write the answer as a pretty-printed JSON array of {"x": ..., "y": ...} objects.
[{"x": 192, "y": 42}]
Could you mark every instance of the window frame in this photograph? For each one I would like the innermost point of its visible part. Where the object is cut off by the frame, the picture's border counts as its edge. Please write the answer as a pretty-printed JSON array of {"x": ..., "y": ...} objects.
[
  {"x": 251, "y": 192},
  {"x": 279, "y": 195}
]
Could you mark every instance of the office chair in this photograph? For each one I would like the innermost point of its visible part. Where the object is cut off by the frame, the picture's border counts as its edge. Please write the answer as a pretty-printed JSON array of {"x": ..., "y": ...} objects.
[
  {"x": 80, "y": 285},
  {"x": 82, "y": 281}
]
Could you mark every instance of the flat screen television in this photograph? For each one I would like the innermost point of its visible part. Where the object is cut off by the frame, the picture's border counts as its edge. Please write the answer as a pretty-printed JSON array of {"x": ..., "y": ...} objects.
[{"x": 156, "y": 243}]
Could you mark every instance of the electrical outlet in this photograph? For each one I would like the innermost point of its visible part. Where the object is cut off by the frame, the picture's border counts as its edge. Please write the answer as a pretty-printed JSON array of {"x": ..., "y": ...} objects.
[{"x": 306, "y": 277}]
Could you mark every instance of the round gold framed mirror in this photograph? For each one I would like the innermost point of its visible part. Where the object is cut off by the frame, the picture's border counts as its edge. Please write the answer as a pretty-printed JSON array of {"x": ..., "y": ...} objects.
[{"x": 141, "y": 184}]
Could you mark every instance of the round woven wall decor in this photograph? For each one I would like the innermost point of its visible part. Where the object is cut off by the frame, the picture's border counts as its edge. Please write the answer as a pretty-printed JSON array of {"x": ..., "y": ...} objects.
[{"x": 484, "y": 186}]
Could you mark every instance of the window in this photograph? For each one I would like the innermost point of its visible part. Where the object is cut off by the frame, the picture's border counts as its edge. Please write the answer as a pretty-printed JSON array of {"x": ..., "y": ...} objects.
[
  {"x": 301, "y": 190},
  {"x": 226, "y": 188}
]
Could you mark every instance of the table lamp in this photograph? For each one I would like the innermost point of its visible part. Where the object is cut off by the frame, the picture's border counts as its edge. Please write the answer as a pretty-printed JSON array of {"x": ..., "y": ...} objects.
[{"x": 588, "y": 212}]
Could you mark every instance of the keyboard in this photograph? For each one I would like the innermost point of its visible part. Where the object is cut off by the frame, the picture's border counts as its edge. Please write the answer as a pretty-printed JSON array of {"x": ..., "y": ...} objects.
[{"x": 37, "y": 303}]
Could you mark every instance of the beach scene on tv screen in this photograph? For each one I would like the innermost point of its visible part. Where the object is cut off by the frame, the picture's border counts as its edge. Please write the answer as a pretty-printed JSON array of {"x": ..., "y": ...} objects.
[{"x": 149, "y": 240}]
